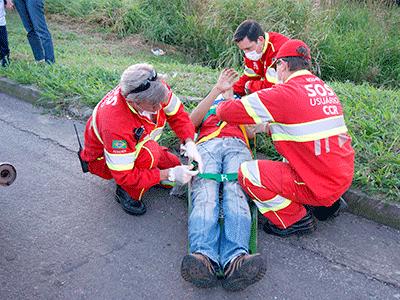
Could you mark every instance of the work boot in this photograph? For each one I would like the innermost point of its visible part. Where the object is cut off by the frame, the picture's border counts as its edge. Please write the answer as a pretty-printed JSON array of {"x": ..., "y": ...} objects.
[
  {"x": 128, "y": 204},
  {"x": 243, "y": 271},
  {"x": 323, "y": 213},
  {"x": 304, "y": 226},
  {"x": 199, "y": 270}
]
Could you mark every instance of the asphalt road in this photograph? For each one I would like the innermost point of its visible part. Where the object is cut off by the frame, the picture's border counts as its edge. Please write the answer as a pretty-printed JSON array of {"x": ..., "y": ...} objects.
[{"x": 62, "y": 235}]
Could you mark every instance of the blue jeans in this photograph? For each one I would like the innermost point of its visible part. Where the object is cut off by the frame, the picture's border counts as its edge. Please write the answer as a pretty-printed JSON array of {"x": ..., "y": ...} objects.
[
  {"x": 220, "y": 155},
  {"x": 34, "y": 21}
]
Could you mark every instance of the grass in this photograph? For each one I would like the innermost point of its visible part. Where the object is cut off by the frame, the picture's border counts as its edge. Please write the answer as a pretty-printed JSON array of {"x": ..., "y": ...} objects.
[
  {"x": 350, "y": 40},
  {"x": 90, "y": 61}
]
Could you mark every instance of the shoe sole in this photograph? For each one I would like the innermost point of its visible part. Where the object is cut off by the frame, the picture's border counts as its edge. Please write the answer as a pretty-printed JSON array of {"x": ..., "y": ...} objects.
[
  {"x": 311, "y": 227},
  {"x": 195, "y": 272},
  {"x": 251, "y": 272}
]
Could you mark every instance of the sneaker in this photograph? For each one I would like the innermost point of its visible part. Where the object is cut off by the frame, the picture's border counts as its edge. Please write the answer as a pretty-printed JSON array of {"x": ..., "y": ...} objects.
[
  {"x": 305, "y": 226},
  {"x": 324, "y": 213},
  {"x": 5, "y": 61},
  {"x": 128, "y": 204},
  {"x": 243, "y": 271},
  {"x": 199, "y": 270}
]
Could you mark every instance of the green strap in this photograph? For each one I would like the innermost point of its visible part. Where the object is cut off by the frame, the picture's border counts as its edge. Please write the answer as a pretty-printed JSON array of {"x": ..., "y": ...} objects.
[
  {"x": 219, "y": 177},
  {"x": 211, "y": 111}
]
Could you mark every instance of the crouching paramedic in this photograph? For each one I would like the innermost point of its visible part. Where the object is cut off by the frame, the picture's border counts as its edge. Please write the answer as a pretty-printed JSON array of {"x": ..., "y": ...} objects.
[
  {"x": 121, "y": 136},
  {"x": 304, "y": 117}
]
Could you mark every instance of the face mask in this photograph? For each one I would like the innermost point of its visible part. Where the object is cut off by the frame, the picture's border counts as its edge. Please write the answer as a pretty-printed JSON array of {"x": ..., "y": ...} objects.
[{"x": 253, "y": 55}]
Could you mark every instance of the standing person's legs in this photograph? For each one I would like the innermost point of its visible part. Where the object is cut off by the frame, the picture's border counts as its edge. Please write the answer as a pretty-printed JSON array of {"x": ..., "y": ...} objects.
[
  {"x": 237, "y": 219},
  {"x": 33, "y": 38},
  {"x": 36, "y": 13},
  {"x": 4, "y": 49}
]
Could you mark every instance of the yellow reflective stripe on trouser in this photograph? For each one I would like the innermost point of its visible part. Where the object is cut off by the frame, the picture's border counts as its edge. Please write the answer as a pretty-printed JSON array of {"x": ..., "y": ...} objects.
[
  {"x": 309, "y": 131},
  {"x": 274, "y": 204},
  {"x": 250, "y": 72},
  {"x": 120, "y": 162},
  {"x": 256, "y": 109},
  {"x": 173, "y": 106},
  {"x": 251, "y": 172},
  {"x": 212, "y": 135},
  {"x": 94, "y": 125}
]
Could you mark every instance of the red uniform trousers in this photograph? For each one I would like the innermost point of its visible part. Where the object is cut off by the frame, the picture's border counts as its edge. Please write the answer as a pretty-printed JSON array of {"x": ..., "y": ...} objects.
[
  {"x": 159, "y": 158},
  {"x": 279, "y": 180}
]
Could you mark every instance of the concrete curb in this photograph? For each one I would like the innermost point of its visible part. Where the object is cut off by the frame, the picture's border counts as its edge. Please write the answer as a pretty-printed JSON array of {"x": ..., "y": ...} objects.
[{"x": 384, "y": 212}]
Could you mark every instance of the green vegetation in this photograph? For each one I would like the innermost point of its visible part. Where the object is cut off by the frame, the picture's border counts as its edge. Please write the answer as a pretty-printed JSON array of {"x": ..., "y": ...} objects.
[
  {"x": 90, "y": 61},
  {"x": 350, "y": 40}
]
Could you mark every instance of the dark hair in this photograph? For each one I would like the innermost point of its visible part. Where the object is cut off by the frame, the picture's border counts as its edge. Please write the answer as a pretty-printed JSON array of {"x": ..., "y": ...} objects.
[
  {"x": 250, "y": 29},
  {"x": 297, "y": 63}
]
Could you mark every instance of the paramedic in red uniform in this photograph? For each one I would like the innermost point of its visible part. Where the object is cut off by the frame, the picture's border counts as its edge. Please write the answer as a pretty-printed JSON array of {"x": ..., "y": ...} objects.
[
  {"x": 259, "y": 48},
  {"x": 121, "y": 136},
  {"x": 304, "y": 117}
]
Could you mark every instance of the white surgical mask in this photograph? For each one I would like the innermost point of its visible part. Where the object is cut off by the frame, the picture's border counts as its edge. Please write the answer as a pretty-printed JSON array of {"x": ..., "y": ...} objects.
[
  {"x": 148, "y": 114},
  {"x": 253, "y": 55}
]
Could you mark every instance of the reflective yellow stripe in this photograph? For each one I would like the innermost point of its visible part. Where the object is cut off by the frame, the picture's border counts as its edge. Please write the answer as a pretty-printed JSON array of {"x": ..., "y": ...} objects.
[
  {"x": 120, "y": 162},
  {"x": 298, "y": 73},
  {"x": 212, "y": 135},
  {"x": 250, "y": 72},
  {"x": 308, "y": 131},
  {"x": 256, "y": 109},
  {"x": 94, "y": 125},
  {"x": 274, "y": 204},
  {"x": 251, "y": 172},
  {"x": 173, "y": 106},
  {"x": 156, "y": 133},
  {"x": 246, "y": 138}
]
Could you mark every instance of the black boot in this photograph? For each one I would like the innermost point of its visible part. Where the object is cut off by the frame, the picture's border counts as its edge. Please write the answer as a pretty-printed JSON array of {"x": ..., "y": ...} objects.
[
  {"x": 323, "y": 213},
  {"x": 128, "y": 204},
  {"x": 304, "y": 226}
]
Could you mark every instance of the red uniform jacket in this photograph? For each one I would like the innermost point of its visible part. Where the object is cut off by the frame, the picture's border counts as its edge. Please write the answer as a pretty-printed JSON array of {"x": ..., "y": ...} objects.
[
  {"x": 257, "y": 71},
  {"x": 307, "y": 128},
  {"x": 212, "y": 123},
  {"x": 110, "y": 134}
]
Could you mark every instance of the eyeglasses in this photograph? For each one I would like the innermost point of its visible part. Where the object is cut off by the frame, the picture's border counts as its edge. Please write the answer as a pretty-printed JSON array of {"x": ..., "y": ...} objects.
[{"x": 145, "y": 84}]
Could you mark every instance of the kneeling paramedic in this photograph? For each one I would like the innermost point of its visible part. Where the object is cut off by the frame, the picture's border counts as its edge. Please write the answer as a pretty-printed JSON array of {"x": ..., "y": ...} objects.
[
  {"x": 304, "y": 117},
  {"x": 213, "y": 247},
  {"x": 121, "y": 137}
]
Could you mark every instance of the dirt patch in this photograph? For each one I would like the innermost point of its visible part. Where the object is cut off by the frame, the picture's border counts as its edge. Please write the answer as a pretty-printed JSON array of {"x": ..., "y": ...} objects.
[{"x": 135, "y": 41}]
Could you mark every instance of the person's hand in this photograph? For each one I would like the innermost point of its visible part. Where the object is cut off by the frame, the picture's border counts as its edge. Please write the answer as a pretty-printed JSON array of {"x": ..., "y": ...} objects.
[
  {"x": 251, "y": 130},
  {"x": 190, "y": 150},
  {"x": 181, "y": 174},
  {"x": 226, "y": 80},
  {"x": 10, "y": 4}
]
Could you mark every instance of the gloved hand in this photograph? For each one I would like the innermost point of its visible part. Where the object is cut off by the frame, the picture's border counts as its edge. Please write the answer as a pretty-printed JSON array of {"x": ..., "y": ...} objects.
[
  {"x": 190, "y": 151},
  {"x": 181, "y": 174}
]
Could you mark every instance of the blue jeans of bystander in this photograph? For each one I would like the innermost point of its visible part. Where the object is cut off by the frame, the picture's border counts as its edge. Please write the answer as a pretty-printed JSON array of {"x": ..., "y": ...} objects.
[
  {"x": 220, "y": 155},
  {"x": 34, "y": 21}
]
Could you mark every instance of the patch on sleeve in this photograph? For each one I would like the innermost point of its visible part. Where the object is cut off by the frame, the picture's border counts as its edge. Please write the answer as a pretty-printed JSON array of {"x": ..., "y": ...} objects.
[{"x": 119, "y": 144}]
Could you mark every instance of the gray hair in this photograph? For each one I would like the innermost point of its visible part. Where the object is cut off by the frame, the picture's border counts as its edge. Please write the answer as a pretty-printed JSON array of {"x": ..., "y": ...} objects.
[{"x": 134, "y": 76}]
